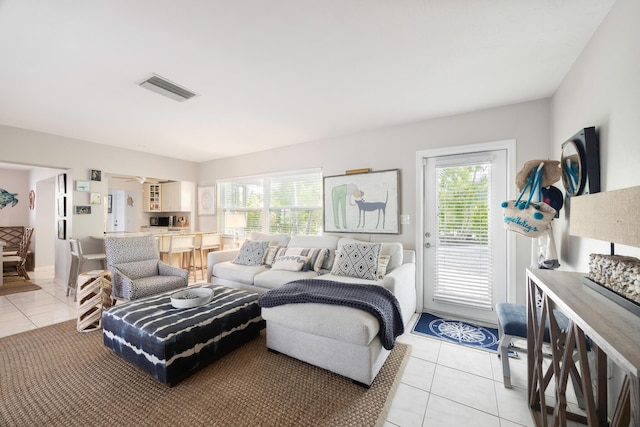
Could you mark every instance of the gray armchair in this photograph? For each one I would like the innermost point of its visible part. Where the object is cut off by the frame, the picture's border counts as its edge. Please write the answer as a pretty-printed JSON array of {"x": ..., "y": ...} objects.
[{"x": 136, "y": 268}]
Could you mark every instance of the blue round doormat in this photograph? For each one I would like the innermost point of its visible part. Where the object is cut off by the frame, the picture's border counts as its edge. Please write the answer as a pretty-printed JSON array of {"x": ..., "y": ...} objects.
[{"x": 457, "y": 332}]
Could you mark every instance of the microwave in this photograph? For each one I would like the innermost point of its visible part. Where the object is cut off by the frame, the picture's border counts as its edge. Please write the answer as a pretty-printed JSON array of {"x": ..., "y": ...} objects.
[{"x": 160, "y": 221}]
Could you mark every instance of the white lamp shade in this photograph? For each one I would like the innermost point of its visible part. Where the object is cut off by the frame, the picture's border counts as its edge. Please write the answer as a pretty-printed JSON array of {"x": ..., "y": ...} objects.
[{"x": 235, "y": 220}]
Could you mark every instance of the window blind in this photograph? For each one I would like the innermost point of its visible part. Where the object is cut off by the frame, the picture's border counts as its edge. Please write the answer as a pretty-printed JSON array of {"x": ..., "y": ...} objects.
[
  {"x": 289, "y": 203},
  {"x": 463, "y": 232}
]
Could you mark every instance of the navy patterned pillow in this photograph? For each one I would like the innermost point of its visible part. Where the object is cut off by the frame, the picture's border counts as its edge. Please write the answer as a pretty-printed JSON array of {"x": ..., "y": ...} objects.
[
  {"x": 357, "y": 260},
  {"x": 251, "y": 252}
]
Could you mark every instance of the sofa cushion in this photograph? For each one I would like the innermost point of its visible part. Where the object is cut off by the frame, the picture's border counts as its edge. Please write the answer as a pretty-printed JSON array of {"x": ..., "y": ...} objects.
[
  {"x": 291, "y": 263},
  {"x": 137, "y": 269},
  {"x": 237, "y": 273},
  {"x": 271, "y": 279},
  {"x": 357, "y": 259},
  {"x": 251, "y": 253},
  {"x": 273, "y": 239},
  {"x": 332, "y": 321},
  {"x": 316, "y": 255},
  {"x": 329, "y": 242}
]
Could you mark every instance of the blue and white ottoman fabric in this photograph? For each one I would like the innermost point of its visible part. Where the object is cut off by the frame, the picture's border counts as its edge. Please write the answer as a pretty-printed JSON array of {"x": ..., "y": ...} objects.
[{"x": 171, "y": 344}]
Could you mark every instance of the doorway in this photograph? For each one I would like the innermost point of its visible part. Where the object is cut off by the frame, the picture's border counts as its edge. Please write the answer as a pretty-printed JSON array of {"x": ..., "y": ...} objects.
[{"x": 464, "y": 247}]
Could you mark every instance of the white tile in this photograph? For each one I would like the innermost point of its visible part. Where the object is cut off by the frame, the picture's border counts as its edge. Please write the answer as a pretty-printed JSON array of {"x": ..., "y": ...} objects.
[
  {"x": 408, "y": 406},
  {"x": 15, "y": 327},
  {"x": 467, "y": 389},
  {"x": 477, "y": 362},
  {"x": 513, "y": 405},
  {"x": 422, "y": 347},
  {"x": 445, "y": 412},
  {"x": 58, "y": 315},
  {"x": 419, "y": 373}
]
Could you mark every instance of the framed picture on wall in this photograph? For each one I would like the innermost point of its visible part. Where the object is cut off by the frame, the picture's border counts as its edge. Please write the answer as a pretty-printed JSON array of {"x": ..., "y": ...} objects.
[
  {"x": 62, "y": 183},
  {"x": 96, "y": 175},
  {"x": 62, "y": 207},
  {"x": 62, "y": 229},
  {"x": 207, "y": 200},
  {"x": 82, "y": 185},
  {"x": 362, "y": 203},
  {"x": 109, "y": 204},
  {"x": 83, "y": 210},
  {"x": 96, "y": 199}
]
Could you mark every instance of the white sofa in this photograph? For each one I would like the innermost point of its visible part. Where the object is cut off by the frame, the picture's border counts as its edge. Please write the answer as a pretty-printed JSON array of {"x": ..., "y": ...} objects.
[{"x": 341, "y": 339}]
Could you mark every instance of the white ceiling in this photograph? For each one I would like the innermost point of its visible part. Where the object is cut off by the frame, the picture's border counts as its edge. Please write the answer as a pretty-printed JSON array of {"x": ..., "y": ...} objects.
[{"x": 275, "y": 72}]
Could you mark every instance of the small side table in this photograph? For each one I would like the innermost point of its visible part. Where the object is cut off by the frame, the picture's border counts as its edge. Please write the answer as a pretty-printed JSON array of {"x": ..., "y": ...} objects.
[{"x": 93, "y": 296}]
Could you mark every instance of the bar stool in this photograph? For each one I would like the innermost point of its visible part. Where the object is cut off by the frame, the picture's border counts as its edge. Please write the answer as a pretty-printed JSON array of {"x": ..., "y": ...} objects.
[
  {"x": 78, "y": 258},
  {"x": 183, "y": 244},
  {"x": 207, "y": 242}
]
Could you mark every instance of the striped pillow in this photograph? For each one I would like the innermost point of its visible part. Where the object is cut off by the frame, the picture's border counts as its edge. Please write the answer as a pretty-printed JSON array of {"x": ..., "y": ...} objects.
[
  {"x": 290, "y": 263},
  {"x": 316, "y": 256}
]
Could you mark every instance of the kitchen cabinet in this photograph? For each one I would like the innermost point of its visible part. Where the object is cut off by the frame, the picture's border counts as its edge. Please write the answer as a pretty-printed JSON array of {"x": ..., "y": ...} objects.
[
  {"x": 152, "y": 198},
  {"x": 177, "y": 197}
]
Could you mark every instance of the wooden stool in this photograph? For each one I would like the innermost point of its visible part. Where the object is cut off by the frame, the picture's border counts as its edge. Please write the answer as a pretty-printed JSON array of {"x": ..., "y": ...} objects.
[{"x": 94, "y": 295}]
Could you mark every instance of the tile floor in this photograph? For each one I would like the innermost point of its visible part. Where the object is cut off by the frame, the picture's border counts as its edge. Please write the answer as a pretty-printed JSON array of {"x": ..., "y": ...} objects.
[{"x": 443, "y": 384}]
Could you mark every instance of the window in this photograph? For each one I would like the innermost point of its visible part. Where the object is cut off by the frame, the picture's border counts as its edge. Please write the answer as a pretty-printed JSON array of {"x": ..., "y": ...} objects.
[{"x": 289, "y": 203}]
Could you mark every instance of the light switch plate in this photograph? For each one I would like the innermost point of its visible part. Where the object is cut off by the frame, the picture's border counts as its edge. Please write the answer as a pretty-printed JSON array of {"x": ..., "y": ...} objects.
[{"x": 404, "y": 219}]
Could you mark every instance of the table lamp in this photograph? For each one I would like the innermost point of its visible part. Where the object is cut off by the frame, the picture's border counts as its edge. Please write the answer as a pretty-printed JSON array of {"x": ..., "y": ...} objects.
[{"x": 235, "y": 221}]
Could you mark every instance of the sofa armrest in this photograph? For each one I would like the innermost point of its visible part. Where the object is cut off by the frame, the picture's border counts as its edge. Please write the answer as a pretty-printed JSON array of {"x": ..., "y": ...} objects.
[
  {"x": 121, "y": 284},
  {"x": 217, "y": 257},
  {"x": 165, "y": 269},
  {"x": 402, "y": 282}
]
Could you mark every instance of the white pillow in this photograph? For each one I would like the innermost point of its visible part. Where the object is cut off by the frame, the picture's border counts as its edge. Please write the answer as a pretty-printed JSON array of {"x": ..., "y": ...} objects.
[
  {"x": 357, "y": 260},
  {"x": 316, "y": 256},
  {"x": 290, "y": 262}
]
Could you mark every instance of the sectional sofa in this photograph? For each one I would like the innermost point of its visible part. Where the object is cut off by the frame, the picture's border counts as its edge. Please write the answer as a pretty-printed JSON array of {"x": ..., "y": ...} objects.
[{"x": 341, "y": 339}]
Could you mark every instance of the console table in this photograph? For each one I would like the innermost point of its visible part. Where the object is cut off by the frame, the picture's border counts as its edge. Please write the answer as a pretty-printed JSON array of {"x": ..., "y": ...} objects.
[{"x": 595, "y": 323}]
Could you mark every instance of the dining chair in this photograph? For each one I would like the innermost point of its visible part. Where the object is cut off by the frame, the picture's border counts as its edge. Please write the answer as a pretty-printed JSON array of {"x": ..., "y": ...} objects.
[
  {"x": 78, "y": 259},
  {"x": 19, "y": 260},
  {"x": 207, "y": 242},
  {"x": 183, "y": 244}
]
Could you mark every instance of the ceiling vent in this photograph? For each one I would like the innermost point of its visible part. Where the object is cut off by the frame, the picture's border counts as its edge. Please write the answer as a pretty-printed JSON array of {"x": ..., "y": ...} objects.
[{"x": 165, "y": 87}]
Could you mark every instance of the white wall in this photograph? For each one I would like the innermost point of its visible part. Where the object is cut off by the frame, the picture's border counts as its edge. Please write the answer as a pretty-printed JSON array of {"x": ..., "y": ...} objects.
[
  {"x": 76, "y": 158},
  {"x": 603, "y": 90},
  {"x": 395, "y": 147}
]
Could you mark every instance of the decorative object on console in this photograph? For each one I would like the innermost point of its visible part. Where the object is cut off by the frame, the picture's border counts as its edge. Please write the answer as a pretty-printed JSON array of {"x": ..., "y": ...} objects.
[
  {"x": 349, "y": 200},
  {"x": 580, "y": 163},
  {"x": 612, "y": 217}
]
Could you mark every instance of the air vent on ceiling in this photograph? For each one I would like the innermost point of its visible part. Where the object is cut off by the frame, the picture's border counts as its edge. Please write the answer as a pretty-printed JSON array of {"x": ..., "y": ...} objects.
[{"x": 165, "y": 87}]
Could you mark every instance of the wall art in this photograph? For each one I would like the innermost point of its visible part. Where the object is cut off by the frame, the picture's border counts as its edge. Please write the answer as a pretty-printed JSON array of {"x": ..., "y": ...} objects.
[
  {"x": 82, "y": 186},
  {"x": 362, "y": 203},
  {"x": 95, "y": 199},
  {"x": 207, "y": 200},
  {"x": 96, "y": 175},
  {"x": 83, "y": 210},
  {"x": 7, "y": 199}
]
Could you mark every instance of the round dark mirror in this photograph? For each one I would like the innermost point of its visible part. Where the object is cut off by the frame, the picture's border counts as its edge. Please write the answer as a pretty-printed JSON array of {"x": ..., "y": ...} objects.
[{"x": 573, "y": 168}]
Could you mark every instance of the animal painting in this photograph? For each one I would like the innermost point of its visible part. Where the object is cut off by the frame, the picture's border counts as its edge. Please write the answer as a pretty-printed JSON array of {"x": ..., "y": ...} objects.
[
  {"x": 364, "y": 207},
  {"x": 7, "y": 198}
]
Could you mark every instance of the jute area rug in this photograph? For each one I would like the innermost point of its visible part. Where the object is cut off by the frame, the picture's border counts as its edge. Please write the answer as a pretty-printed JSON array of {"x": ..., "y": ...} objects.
[
  {"x": 56, "y": 376},
  {"x": 16, "y": 284}
]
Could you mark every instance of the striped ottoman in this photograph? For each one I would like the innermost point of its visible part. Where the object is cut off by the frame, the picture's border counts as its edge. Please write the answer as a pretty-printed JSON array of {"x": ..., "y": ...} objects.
[{"x": 171, "y": 344}]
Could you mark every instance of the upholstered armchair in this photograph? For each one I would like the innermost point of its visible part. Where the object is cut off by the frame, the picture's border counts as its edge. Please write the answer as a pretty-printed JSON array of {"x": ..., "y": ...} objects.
[{"x": 136, "y": 268}]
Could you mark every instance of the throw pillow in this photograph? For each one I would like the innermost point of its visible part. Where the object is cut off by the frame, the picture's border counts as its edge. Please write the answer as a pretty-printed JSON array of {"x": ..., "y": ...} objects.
[
  {"x": 291, "y": 263},
  {"x": 251, "y": 252},
  {"x": 270, "y": 255},
  {"x": 357, "y": 260},
  {"x": 383, "y": 262},
  {"x": 316, "y": 256}
]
